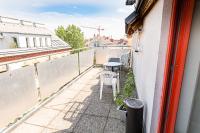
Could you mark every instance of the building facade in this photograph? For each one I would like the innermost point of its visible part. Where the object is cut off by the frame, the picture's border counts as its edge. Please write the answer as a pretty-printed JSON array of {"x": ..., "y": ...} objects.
[{"x": 15, "y": 33}]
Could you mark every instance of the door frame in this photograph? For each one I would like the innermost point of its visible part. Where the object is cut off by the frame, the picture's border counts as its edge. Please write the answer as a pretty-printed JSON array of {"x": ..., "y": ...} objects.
[{"x": 178, "y": 40}]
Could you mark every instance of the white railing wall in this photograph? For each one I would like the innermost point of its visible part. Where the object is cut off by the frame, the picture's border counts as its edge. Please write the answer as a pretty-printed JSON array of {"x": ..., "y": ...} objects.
[
  {"x": 56, "y": 73},
  {"x": 22, "y": 88},
  {"x": 103, "y": 53},
  {"x": 18, "y": 93},
  {"x": 86, "y": 59}
]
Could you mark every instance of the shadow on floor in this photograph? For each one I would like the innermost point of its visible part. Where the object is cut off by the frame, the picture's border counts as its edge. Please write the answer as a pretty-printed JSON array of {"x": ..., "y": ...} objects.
[
  {"x": 78, "y": 109},
  {"x": 86, "y": 113}
]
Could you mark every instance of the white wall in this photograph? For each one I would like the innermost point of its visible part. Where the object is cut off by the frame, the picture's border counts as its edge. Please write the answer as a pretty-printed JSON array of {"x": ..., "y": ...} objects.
[
  {"x": 37, "y": 42},
  {"x": 7, "y": 40},
  {"x": 166, "y": 15},
  {"x": 43, "y": 42},
  {"x": 48, "y": 41},
  {"x": 145, "y": 61},
  {"x": 22, "y": 42},
  {"x": 31, "y": 44}
]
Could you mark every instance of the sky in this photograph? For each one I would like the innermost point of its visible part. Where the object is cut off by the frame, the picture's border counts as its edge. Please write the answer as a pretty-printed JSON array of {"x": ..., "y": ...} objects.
[{"x": 108, "y": 14}]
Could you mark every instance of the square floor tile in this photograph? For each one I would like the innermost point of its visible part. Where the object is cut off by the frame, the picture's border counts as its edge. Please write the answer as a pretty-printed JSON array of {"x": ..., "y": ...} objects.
[
  {"x": 68, "y": 93},
  {"x": 48, "y": 130},
  {"x": 93, "y": 82},
  {"x": 114, "y": 113},
  {"x": 42, "y": 117},
  {"x": 78, "y": 107},
  {"x": 76, "y": 86},
  {"x": 107, "y": 89},
  {"x": 114, "y": 126},
  {"x": 27, "y": 128},
  {"x": 90, "y": 124},
  {"x": 106, "y": 98},
  {"x": 100, "y": 109},
  {"x": 65, "y": 121},
  {"x": 83, "y": 97},
  {"x": 91, "y": 88},
  {"x": 57, "y": 103},
  {"x": 62, "y": 131}
]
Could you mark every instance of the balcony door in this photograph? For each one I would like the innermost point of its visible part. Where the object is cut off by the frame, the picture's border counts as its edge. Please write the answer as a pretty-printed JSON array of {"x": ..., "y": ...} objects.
[{"x": 188, "y": 115}]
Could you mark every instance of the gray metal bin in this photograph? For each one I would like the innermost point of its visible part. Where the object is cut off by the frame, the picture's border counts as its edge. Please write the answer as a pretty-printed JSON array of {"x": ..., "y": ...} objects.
[{"x": 134, "y": 120}]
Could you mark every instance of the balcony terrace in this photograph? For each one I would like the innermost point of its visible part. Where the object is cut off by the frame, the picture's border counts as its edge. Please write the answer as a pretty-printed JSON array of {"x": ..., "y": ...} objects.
[
  {"x": 77, "y": 109},
  {"x": 74, "y": 106}
]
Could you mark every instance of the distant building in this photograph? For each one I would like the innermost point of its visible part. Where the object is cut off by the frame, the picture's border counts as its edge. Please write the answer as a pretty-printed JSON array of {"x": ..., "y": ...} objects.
[
  {"x": 15, "y": 33},
  {"x": 103, "y": 40}
]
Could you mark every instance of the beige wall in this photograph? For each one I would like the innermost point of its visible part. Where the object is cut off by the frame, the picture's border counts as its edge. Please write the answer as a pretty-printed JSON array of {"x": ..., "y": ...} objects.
[{"x": 102, "y": 54}]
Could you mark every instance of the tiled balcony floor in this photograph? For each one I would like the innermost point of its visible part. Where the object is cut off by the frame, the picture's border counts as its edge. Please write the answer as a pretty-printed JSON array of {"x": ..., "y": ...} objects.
[{"x": 77, "y": 109}]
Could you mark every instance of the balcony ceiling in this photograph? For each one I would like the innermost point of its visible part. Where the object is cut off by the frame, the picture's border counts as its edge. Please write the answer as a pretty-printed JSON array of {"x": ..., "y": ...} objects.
[
  {"x": 134, "y": 20},
  {"x": 130, "y": 2}
]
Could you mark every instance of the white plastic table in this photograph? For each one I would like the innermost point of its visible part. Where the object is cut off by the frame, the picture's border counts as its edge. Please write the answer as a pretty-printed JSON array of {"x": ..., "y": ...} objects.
[{"x": 112, "y": 64}]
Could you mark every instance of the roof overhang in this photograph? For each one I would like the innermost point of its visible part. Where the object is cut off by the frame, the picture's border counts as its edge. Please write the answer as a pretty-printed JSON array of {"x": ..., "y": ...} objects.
[
  {"x": 130, "y": 2},
  {"x": 131, "y": 22},
  {"x": 135, "y": 19}
]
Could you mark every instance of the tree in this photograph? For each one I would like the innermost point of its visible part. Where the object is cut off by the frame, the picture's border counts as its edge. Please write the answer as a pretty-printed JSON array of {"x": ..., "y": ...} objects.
[{"x": 72, "y": 35}]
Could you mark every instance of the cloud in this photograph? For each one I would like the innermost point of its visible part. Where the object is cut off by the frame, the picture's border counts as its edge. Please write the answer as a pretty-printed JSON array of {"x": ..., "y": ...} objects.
[
  {"x": 75, "y": 7},
  {"x": 125, "y": 10},
  {"x": 113, "y": 26},
  {"x": 111, "y": 18}
]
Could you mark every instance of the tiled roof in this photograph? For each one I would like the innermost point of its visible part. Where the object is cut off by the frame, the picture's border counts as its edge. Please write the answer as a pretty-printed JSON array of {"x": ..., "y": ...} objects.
[{"x": 56, "y": 41}]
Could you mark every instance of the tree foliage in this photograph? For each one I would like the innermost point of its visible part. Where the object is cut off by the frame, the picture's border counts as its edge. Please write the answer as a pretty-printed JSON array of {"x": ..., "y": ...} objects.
[{"x": 72, "y": 35}]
